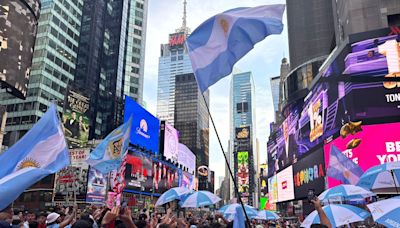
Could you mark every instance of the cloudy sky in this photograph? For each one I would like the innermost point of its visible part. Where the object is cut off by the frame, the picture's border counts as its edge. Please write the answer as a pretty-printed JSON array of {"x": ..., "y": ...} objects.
[{"x": 164, "y": 16}]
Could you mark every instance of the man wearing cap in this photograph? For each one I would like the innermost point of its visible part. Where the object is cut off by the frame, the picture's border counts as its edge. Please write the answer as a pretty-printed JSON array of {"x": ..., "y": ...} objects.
[{"x": 54, "y": 221}]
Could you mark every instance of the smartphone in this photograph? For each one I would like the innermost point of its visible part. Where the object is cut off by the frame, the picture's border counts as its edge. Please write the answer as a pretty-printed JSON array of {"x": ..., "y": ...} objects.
[
  {"x": 124, "y": 204},
  {"x": 311, "y": 195}
]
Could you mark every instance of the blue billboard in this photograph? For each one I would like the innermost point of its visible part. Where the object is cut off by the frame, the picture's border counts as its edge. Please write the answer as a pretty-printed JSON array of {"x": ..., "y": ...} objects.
[{"x": 145, "y": 127}]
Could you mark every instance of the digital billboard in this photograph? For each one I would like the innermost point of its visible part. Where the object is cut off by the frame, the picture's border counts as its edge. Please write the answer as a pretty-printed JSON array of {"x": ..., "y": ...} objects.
[
  {"x": 309, "y": 173},
  {"x": 177, "y": 40},
  {"x": 265, "y": 204},
  {"x": 69, "y": 181},
  {"x": 186, "y": 180},
  {"x": 171, "y": 143},
  {"x": 164, "y": 177},
  {"x": 18, "y": 25},
  {"x": 186, "y": 158},
  {"x": 139, "y": 173},
  {"x": 97, "y": 187},
  {"x": 78, "y": 156},
  {"x": 76, "y": 120},
  {"x": 145, "y": 127},
  {"x": 243, "y": 172},
  {"x": 272, "y": 155},
  {"x": 273, "y": 189},
  {"x": 368, "y": 146},
  {"x": 285, "y": 184}
]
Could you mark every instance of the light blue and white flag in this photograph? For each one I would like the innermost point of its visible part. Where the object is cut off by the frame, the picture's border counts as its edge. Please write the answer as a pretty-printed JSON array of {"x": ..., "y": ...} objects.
[
  {"x": 42, "y": 151},
  {"x": 342, "y": 168},
  {"x": 239, "y": 220},
  {"x": 219, "y": 42},
  {"x": 108, "y": 155}
]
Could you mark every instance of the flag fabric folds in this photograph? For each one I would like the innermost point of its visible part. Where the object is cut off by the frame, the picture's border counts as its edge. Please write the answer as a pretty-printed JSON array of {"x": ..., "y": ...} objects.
[
  {"x": 219, "y": 42},
  {"x": 42, "y": 151},
  {"x": 239, "y": 220},
  {"x": 108, "y": 155},
  {"x": 342, "y": 168}
]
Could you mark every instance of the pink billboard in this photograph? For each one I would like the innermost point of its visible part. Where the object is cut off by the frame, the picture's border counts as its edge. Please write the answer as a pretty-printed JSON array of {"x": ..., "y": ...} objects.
[{"x": 373, "y": 145}]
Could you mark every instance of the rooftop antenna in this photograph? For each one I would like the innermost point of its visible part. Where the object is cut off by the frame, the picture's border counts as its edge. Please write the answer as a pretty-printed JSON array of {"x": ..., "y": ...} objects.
[{"x": 184, "y": 27}]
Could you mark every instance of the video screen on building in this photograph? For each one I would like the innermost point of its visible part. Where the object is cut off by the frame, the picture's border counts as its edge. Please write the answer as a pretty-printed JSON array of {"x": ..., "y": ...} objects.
[
  {"x": 186, "y": 158},
  {"x": 76, "y": 119},
  {"x": 285, "y": 184},
  {"x": 97, "y": 187},
  {"x": 171, "y": 143},
  {"x": 309, "y": 173},
  {"x": 243, "y": 172},
  {"x": 145, "y": 127},
  {"x": 164, "y": 177},
  {"x": 18, "y": 27},
  {"x": 273, "y": 189},
  {"x": 139, "y": 173},
  {"x": 370, "y": 145}
]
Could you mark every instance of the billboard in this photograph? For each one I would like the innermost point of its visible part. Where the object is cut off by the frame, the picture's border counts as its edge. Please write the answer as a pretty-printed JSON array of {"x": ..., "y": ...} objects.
[
  {"x": 97, "y": 187},
  {"x": 285, "y": 184},
  {"x": 243, "y": 172},
  {"x": 138, "y": 173},
  {"x": 272, "y": 155},
  {"x": 273, "y": 189},
  {"x": 265, "y": 204},
  {"x": 186, "y": 158},
  {"x": 69, "y": 181},
  {"x": 309, "y": 173},
  {"x": 263, "y": 182},
  {"x": 187, "y": 180},
  {"x": 78, "y": 156},
  {"x": 18, "y": 25},
  {"x": 371, "y": 145},
  {"x": 76, "y": 120},
  {"x": 242, "y": 138},
  {"x": 177, "y": 40},
  {"x": 145, "y": 127},
  {"x": 164, "y": 177},
  {"x": 171, "y": 143}
]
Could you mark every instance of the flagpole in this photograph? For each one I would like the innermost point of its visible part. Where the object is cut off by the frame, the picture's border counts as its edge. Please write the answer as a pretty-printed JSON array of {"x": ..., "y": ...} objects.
[{"x": 226, "y": 161}]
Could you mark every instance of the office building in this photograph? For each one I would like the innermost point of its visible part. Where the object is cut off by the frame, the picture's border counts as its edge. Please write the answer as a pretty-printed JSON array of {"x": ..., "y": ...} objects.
[
  {"x": 310, "y": 29},
  {"x": 352, "y": 17},
  {"x": 275, "y": 91},
  {"x": 191, "y": 117},
  {"x": 53, "y": 67},
  {"x": 174, "y": 60},
  {"x": 243, "y": 119},
  {"x": 110, "y": 60}
]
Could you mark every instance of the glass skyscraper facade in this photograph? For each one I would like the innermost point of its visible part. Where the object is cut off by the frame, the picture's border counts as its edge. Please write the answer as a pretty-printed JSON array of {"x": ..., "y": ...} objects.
[
  {"x": 111, "y": 59},
  {"x": 242, "y": 114},
  {"x": 191, "y": 117},
  {"x": 174, "y": 60},
  {"x": 53, "y": 66}
]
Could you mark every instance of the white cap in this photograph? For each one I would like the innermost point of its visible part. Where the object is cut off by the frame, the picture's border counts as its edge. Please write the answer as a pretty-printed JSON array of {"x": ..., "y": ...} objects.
[{"x": 52, "y": 217}]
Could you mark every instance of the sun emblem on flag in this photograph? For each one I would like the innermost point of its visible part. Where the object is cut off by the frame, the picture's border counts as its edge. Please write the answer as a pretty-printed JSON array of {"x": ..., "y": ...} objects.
[
  {"x": 115, "y": 148},
  {"x": 28, "y": 162},
  {"x": 225, "y": 25}
]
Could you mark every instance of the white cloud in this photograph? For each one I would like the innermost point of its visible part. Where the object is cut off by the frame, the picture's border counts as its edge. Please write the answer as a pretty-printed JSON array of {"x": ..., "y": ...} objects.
[{"x": 164, "y": 16}]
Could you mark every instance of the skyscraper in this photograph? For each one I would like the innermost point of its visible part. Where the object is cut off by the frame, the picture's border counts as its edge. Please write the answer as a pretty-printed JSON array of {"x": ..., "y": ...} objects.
[
  {"x": 275, "y": 82},
  {"x": 110, "y": 59},
  {"x": 311, "y": 30},
  {"x": 191, "y": 117},
  {"x": 53, "y": 66},
  {"x": 174, "y": 60},
  {"x": 242, "y": 135}
]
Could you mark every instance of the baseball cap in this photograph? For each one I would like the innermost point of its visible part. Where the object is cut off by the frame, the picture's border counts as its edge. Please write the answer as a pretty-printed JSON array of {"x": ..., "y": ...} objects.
[{"x": 52, "y": 217}]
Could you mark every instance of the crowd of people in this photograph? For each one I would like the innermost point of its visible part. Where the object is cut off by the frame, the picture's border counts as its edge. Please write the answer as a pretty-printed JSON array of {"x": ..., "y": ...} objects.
[{"x": 121, "y": 217}]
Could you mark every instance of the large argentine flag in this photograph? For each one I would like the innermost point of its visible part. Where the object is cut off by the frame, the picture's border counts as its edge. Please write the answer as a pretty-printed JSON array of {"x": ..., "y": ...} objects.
[
  {"x": 217, "y": 44},
  {"x": 108, "y": 155},
  {"x": 342, "y": 168},
  {"x": 42, "y": 151}
]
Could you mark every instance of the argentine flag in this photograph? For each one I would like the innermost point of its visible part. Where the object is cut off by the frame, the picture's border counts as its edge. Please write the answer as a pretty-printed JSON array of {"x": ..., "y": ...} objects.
[
  {"x": 108, "y": 155},
  {"x": 217, "y": 44},
  {"x": 42, "y": 151}
]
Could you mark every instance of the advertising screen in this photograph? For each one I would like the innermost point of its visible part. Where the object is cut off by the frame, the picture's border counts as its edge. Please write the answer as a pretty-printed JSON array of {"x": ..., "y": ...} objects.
[
  {"x": 186, "y": 158},
  {"x": 242, "y": 139},
  {"x": 164, "y": 177},
  {"x": 309, "y": 173},
  {"x": 186, "y": 180},
  {"x": 18, "y": 27},
  {"x": 78, "y": 156},
  {"x": 371, "y": 145},
  {"x": 263, "y": 182},
  {"x": 69, "y": 181},
  {"x": 272, "y": 156},
  {"x": 97, "y": 187},
  {"x": 273, "y": 189},
  {"x": 177, "y": 40},
  {"x": 285, "y": 184},
  {"x": 76, "y": 120},
  {"x": 138, "y": 173},
  {"x": 171, "y": 142},
  {"x": 243, "y": 172},
  {"x": 265, "y": 204},
  {"x": 145, "y": 127}
]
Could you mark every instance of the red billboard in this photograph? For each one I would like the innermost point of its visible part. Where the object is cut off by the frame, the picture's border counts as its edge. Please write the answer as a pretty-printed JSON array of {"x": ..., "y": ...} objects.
[{"x": 177, "y": 40}]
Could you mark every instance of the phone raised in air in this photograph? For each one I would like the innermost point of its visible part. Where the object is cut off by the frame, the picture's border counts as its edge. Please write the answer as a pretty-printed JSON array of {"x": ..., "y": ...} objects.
[{"x": 311, "y": 195}]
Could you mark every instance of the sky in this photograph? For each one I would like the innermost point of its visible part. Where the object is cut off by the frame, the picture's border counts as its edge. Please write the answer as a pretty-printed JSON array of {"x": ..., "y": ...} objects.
[{"x": 164, "y": 16}]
